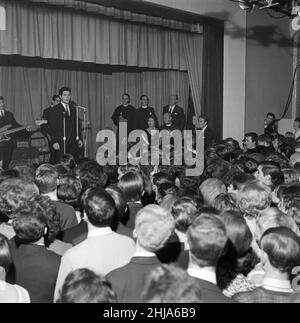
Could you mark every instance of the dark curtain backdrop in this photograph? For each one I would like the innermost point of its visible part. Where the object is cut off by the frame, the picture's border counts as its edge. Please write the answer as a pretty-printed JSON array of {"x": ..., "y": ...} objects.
[{"x": 212, "y": 77}]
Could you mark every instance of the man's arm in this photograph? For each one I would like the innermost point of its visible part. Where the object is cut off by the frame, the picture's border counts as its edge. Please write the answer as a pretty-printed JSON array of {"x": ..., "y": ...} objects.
[{"x": 115, "y": 116}]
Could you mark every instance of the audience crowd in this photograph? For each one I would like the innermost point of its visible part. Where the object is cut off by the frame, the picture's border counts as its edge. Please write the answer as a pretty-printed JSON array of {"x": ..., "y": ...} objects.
[{"x": 78, "y": 232}]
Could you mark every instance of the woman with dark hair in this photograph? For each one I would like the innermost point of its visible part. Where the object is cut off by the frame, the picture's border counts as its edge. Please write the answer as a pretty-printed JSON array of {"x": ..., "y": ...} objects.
[
  {"x": 9, "y": 293},
  {"x": 132, "y": 185},
  {"x": 238, "y": 258}
]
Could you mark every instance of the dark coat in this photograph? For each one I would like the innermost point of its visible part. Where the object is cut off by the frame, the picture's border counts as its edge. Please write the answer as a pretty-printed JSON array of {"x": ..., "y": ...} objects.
[{"x": 178, "y": 116}]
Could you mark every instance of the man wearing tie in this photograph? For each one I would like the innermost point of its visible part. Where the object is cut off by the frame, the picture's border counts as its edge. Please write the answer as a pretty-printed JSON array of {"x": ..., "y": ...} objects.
[
  {"x": 6, "y": 147},
  {"x": 177, "y": 113},
  {"x": 63, "y": 130}
]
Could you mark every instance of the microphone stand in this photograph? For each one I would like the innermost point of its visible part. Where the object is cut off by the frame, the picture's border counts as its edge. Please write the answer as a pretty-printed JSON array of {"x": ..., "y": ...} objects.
[
  {"x": 85, "y": 128},
  {"x": 64, "y": 138}
]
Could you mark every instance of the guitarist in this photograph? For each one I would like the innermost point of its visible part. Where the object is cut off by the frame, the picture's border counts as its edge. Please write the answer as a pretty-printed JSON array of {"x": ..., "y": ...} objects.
[{"x": 6, "y": 147}]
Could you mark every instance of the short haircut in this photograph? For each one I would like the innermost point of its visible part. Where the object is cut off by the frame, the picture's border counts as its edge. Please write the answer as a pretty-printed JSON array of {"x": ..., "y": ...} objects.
[
  {"x": 153, "y": 226},
  {"x": 171, "y": 284},
  {"x": 68, "y": 161},
  {"x": 184, "y": 212},
  {"x": 69, "y": 190},
  {"x": 252, "y": 135},
  {"x": 13, "y": 194},
  {"x": 5, "y": 255},
  {"x": 120, "y": 203},
  {"x": 273, "y": 218},
  {"x": 282, "y": 246},
  {"x": 225, "y": 202},
  {"x": 9, "y": 173},
  {"x": 64, "y": 89},
  {"x": 144, "y": 95},
  {"x": 46, "y": 177},
  {"x": 126, "y": 94},
  {"x": 265, "y": 139},
  {"x": 84, "y": 286},
  {"x": 99, "y": 207},
  {"x": 167, "y": 189},
  {"x": 238, "y": 181},
  {"x": 132, "y": 184},
  {"x": 273, "y": 169},
  {"x": 204, "y": 117},
  {"x": 252, "y": 199},
  {"x": 161, "y": 177},
  {"x": 271, "y": 114},
  {"x": 207, "y": 239},
  {"x": 211, "y": 188}
]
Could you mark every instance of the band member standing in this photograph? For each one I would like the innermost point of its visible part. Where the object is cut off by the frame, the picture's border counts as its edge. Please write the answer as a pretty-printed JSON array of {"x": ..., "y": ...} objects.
[
  {"x": 6, "y": 147},
  {"x": 143, "y": 113},
  {"x": 62, "y": 117},
  {"x": 177, "y": 113},
  {"x": 125, "y": 113}
]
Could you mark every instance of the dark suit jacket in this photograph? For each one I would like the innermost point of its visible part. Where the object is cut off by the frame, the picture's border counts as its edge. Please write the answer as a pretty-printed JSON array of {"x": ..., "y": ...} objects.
[
  {"x": 134, "y": 208},
  {"x": 67, "y": 215},
  {"x": 9, "y": 119},
  {"x": 211, "y": 293},
  {"x": 128, "y": 113},
  {"x": 209, "y": 137},
  {"x": 129, "y": 281},
  {"x": 178, "y": 117},
  {"x": 36, "y": 270},
  {"x": 142, "y": 115}
]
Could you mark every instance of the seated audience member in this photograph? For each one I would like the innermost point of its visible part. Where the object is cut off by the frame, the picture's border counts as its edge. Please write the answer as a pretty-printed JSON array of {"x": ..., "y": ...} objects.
[
  {"x": 281, "y": 253},
  {"x": 13, "y": 194},
  {"x": 295, "y": 158},
  {"x": 9, "y": 293},
  {"x": 153, "y": 227},
  {"x": 69, "y": 191},
  {"x": 47, "y": 180},
  {"x": 210, "y": 189},
  {"x": 268, "y": 219},
  {"x": 291, "y": 176},
  {"x": 132, "y": 185},
  {"x": 239, "y": 258},
  {"x": 269, "y": 174},
  {"x": 225, "y": 202},
  {"x": 91, "y": 174},
  {"x": 168, "y": 124},
  {"x": 36, "y": 267},
  {"x": 250, "y": 143},
  {"x": 83, "y": 286},
  {"x": 253, "y": 199},
  {"x": 170, "y": 284},
  {"x": 207, "y": 239},
  {"x": 103, "y": 250}
]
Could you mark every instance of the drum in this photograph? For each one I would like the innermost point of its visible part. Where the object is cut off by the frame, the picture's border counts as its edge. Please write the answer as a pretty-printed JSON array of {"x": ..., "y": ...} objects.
[{"x": 40, "y": 141}]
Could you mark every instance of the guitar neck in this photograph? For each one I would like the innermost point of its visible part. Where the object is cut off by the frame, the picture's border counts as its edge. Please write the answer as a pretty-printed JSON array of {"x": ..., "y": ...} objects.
[{"x": 8, "y": 132}]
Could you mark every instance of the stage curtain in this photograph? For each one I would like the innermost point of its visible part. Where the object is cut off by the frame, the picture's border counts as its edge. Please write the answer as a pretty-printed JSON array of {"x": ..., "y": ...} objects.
[
  {"x": 47, "y": 32},
  {"x": 28, "y": 90}
]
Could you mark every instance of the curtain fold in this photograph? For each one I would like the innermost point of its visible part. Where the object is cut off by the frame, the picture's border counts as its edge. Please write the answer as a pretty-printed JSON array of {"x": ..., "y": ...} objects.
[
  {"x": 28, "y": 90},
  {"x": 48, "y": 32}
]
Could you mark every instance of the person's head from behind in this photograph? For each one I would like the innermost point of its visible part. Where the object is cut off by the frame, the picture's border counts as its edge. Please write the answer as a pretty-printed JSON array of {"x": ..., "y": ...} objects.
[
  {"x": 184, "y": 212},
  {"x": 250, "y": 140},
  {"x": 171, "y": 284},
  {"x": 207, "y": 239},
  {"x": 253, "y": 198},
  {"x": 281, "y": 250},
  {"x": 99, "y": 207},
  {"x": 238, "y": 181},
  {"x": 167, "y": 118},
  {"x": 65, "y": 94},
  {"x": 46, "y": 178},
  {"x": 264, "y": 141},
  {"x": 8, "y": 174},
  {"x": 132, "y": 184},
  {"x": 210, "y": 189},
  {"x": 69, "y": 190},
  {"x": 225, "y": 202},
  {"x": 166, "y": 189},
  {"x": 84, "y": 286},
  {"x": 68, "y": 161},
  {"x": 269, "y": 173},
  {"x": 153, "y": 227},
  {"x": 91, "y": 174},
  {"x": 13, "y": 194},
  {"x": 5, "y": 257}
]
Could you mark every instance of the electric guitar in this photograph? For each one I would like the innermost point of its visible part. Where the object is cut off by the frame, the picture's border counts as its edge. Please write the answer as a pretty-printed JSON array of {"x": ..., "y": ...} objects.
[{"x": 4, "y": 132}]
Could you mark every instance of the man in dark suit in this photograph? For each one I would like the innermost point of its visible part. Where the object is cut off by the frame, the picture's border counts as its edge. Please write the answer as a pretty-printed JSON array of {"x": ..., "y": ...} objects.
[
  {"x": 177, "y": 113},
  {"x": 144, "y": 113},
  {"x": 153, "y": 227},
  {"x": 207, "y": 239},
  {"x": 6, "y": 147},
  {"x": 209, "y": 137},
  {"x": 125, "y": 113},
  {"x": 64, "y": 113}
]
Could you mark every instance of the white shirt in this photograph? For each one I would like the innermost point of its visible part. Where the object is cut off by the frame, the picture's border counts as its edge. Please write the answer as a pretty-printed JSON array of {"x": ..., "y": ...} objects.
[
  {"x": 144, "y": 254},
  {"x": 297, "y": 134},
  {"x": 66, "y": 106},
  {"x": 99, "y": 232},
  {"x": 205, "y": 273},
  {"x": 13, "y": 293},
  {"x": 2, "y": 113},
  {"x": 171, "y": 108},
  {"x": 276, "y": 285}
]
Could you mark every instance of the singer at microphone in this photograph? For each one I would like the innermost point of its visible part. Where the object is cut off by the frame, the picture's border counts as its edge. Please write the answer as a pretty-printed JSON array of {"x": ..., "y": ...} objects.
[{"x": 271, "y": 126}]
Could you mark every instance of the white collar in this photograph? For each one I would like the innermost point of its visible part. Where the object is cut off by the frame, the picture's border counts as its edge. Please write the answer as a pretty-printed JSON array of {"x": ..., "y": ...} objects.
[
  {"x": 277, "y": 285},
  {"x": 144, "y": 107},
  {"x": 97, "y": 232},
  {"x": 205, "y": 273},
  {"x": 204, "y": 129},
  {"x": 183, "y": 239},
  {"x": 144, "y": 254},
  {"x": 52, "y": 196}
]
